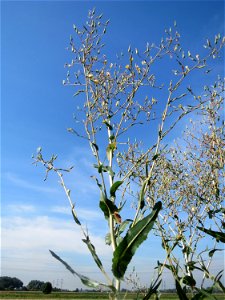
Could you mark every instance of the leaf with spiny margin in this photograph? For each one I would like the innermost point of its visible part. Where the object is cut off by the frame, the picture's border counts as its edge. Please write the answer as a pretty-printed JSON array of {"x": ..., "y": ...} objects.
[
  {"x": 84, "y": 279},
  {"x": 134, "y": 237},
  {"x": 219, "y": 236}
]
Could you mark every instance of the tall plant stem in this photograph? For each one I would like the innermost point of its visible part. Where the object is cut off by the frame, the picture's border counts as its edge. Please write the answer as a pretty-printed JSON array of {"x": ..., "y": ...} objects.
[
  {"x": 96, "y": 154},
  {"x": 111, "y": 220}
]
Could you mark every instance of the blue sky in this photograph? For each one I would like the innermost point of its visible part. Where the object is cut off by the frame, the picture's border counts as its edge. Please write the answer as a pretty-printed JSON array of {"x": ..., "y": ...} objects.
[{"x": 36, "y": 110}]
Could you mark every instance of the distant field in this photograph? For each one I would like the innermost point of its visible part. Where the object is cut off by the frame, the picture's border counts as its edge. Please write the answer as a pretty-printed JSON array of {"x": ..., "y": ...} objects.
[{"x": 76, "y": 296}]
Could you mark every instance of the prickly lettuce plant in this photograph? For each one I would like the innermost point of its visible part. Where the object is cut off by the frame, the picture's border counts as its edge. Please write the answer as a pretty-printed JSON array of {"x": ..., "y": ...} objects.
[{"x": 115, "y": 99}]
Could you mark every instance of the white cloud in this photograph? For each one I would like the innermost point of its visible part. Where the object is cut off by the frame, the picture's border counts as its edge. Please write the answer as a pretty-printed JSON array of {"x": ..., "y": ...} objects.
[{"x": 43, "y": 232}]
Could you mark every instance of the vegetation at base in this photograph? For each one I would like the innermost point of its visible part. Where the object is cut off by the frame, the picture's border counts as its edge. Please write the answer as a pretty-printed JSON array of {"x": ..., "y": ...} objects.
[{"x": 80, "y": 295}]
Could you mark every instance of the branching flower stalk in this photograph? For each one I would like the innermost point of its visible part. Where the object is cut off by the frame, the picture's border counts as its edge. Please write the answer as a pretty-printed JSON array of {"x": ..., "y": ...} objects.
[{"x": 115, "y": 98}]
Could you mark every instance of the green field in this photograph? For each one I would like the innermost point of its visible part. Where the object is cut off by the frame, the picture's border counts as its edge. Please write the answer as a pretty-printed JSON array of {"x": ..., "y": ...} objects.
[{"x": 76, "y": 296}]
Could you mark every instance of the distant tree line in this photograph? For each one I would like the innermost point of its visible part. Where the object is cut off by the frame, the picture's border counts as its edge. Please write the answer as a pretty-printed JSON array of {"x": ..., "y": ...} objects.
[{"x": 13, "y": 283}]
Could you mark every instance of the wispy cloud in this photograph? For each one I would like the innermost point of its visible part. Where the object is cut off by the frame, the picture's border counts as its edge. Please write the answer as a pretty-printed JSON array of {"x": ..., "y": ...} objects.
[
  {"x": 24, "y": 183},
  {"x": 20, "y": 208},
  {"x": 65, "y": 210}
]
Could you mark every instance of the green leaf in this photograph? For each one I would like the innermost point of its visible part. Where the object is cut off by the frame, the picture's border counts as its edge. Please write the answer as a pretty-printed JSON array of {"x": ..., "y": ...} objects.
[
  {"x": 135, "y": 236},
  {"x": 93, "y": 252},
  {"x": 189, "y": 280},
  {"x": 219, "y": 236},
  {"x": 123, "y": 225},
  {"x": 115, "y": 187},
  {"x": 107, "y": 206},
  {"x": 85, "y": 280},
  {"x": 119, "y": 240}
]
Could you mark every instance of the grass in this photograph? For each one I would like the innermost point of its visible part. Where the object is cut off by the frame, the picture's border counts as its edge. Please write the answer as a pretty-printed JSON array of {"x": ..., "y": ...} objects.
[{"x": 76, "y": 296}]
